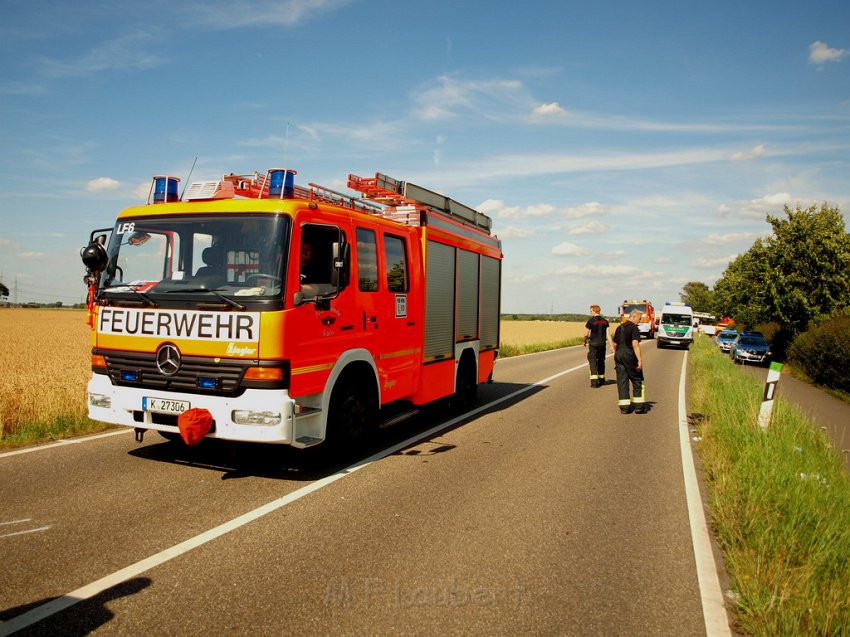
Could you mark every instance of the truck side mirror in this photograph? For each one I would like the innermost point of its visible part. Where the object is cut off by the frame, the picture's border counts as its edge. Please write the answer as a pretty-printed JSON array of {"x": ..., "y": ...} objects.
[{"x": 94, "y": 254}]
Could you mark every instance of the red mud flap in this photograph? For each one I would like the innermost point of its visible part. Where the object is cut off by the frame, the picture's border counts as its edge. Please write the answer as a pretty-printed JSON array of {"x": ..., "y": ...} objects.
[{"x": 194, "y": 424}]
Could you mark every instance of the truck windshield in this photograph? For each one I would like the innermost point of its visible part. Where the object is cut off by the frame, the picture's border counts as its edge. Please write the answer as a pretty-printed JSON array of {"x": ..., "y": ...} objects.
[
  {"x": 628, "y": 307},
  {"x": 232, "y": 255}
]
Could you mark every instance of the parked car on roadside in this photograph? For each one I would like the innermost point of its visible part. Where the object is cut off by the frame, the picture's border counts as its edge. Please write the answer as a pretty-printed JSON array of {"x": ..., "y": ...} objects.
[
  {"x": 725, "y": 339},
  {"x": 750, "y": 347}
]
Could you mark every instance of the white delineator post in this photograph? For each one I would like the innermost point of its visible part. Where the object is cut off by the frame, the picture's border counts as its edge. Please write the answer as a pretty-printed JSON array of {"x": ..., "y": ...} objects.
[{"x": 769, "y": 393}]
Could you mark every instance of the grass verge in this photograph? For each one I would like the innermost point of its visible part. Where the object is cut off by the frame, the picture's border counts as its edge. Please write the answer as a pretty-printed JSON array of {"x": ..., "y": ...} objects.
[
  {"x": 59, "y": 428},
  {"x": 780, "y": 503}
]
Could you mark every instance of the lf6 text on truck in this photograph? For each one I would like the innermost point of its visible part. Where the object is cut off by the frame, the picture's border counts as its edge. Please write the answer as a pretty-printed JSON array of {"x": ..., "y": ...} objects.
[{"x": 289, "y": 314}]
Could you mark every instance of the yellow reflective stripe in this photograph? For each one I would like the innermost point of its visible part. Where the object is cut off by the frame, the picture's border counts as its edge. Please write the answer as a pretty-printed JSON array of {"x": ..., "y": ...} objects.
[
  {"x": 404, "y": 352},
  {"x": 312, "y": 368}
]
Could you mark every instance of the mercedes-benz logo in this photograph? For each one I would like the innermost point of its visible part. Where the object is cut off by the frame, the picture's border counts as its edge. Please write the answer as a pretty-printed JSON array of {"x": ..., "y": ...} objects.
[{"x": 168, "y": 359}]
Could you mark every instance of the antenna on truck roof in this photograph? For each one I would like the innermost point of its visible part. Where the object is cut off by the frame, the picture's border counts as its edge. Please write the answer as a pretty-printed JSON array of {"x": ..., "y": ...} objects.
[{"x": 188, "y": 177}]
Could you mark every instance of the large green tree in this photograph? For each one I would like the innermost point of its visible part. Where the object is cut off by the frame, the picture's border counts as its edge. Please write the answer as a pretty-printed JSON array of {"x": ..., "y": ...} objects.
[
  {"x": 698, "y": 295},
  {"x": 4, "y": 291},
  {"x": 800, "y": 272}
]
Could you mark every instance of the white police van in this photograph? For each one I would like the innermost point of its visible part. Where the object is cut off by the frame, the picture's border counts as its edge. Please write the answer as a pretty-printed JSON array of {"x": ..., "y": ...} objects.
[{"x": 675, "y": 325}]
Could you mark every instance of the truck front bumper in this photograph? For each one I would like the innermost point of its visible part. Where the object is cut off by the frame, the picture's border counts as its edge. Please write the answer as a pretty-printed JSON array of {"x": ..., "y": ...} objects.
[{"x": 256, "y": 415}]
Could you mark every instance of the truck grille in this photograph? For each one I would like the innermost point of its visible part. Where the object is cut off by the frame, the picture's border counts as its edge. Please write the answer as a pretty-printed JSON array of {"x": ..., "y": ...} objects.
[{"x": 227, "y": 374}]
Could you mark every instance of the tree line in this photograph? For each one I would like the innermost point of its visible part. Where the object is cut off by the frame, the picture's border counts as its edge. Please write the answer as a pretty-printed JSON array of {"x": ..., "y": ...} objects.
[{"x": 793, "y": 279}]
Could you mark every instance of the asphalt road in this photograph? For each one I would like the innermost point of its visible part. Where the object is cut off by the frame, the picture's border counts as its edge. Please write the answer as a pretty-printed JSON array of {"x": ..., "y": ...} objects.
[{"x": 547, "y": 513}]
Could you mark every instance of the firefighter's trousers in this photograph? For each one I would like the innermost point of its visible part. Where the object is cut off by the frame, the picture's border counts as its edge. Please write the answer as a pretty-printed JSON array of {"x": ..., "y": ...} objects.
[
  {"x": 596, "y": 359},
  {"x": 629, "y": 377}
]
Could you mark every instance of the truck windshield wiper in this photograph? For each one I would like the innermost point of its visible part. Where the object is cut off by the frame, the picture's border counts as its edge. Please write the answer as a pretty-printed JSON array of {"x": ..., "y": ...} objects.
[
  {"x": 123, "y": 288},
  {"x": 227, "y": 300}
]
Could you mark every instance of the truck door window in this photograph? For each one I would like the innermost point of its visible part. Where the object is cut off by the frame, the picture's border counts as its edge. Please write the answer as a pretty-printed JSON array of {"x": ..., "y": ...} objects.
[
  {"x": 316, "y": 259},
  {"x": 367, "y": 260},
  {"x": 396, "y": 260}
]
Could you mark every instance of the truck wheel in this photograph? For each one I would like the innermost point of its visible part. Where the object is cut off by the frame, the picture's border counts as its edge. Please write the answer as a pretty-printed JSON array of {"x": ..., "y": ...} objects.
[
  {"x": 466, "y": 385},
  {"x": 351, "y": 413}
]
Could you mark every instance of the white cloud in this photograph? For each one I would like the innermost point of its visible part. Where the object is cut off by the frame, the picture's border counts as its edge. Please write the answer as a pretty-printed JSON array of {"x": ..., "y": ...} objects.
[
  {"x": 769, "y": 204},
  {"x": 566, "y": 249},
  {"x": 246, "y": 13},
  {"x": 496, "y": 99},
  {"x": 710, "y": 264},
  {"x": 730, "y": 237},
  {"x": 592, "y": 227},
  {"x": 539, "y": 210},
  {"x": 547, "y": 112},
  {"x": 102, "y": 184},
  {"x": 599, "y": 270},
  {"x": 756, "y": 151},
  {"x": 126, "y": 52},
  {"x": 820, "y": 52},
  {"x": 514, "y": 232},
  {"x": 590, "y": 209},
  {"x": 497, "y": 208}
]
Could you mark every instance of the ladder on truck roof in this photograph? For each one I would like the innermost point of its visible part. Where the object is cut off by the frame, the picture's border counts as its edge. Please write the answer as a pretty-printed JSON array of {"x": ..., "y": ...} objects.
[
  {"x": 382, "y": 196},
  {"x": 392, "y": 192}
]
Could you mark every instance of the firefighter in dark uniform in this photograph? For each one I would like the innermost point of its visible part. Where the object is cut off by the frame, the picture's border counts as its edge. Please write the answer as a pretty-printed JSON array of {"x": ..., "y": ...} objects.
[
  {"x": 596, "y": 340},
  {"x": 628, "y": 363}
]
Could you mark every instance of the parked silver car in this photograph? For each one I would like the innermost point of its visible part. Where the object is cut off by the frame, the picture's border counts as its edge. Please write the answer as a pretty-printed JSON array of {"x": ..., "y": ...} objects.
[{"x": 726, "y": 338}]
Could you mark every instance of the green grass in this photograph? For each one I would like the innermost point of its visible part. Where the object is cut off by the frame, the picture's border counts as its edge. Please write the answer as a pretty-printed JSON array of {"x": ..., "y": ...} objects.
[
  {"x": 780, "y": 504},
  {"x": 508, "y": 350},
  {"x": 43, "y": 432}
]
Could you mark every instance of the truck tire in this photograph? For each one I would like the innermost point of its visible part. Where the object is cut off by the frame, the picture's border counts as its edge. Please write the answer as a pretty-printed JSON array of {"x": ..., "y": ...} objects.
[
  {"x": 466, "y": 384},
  {"x": 351, "y": 412}
]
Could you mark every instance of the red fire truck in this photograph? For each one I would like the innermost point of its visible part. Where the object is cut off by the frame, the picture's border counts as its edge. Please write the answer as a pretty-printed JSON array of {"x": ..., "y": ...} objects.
[
  {"x": 292, "y": 314},
  {"x": 647, "y": 325}
]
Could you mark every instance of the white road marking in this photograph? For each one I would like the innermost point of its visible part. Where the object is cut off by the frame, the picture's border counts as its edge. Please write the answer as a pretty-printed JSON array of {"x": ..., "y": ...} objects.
[
  {"x": 713, "y": 609},
  {"x": 60, "y": 443},
  {"x": 38, "y": 530},
  {"x": 95, "y": 588},
  {"x": 21, "y": 521}
]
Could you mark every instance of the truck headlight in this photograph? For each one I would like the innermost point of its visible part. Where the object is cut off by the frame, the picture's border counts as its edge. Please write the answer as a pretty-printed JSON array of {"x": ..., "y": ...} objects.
[
  {"x": 100, "y": 400},
  {"x": 247, "y": 417}
]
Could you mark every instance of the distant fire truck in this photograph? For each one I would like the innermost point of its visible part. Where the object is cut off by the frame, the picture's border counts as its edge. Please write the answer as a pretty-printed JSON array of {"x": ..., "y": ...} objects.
[
  {"x": 291, "y": 314},
  {"x": 647, "y": 326}
]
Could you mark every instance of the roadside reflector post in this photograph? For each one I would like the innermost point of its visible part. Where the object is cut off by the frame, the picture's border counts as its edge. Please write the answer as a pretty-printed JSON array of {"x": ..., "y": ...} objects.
[{"x": 769, "y": 393}]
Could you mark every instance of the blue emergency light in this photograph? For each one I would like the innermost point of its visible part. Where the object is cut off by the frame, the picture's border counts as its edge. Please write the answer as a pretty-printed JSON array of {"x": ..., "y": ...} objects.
[
  {"x": 165, "y": 189},
  {"x": 281, "y": 183},
  {"x": 129, "y": 376},
  {"x": 207, "y": 382}
]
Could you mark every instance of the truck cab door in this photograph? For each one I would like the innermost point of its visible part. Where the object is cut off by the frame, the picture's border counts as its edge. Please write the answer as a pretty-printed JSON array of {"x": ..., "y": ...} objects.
[{"x": 389, "y": 310}]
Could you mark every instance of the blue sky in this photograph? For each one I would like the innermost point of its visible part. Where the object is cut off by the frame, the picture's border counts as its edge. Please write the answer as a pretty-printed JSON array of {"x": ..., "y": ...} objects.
[{"x": 622, "y": 148}]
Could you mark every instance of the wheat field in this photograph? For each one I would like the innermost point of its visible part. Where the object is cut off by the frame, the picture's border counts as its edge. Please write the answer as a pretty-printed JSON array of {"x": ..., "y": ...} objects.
[
  {"x": 520, "y": 333},
  {"x": 45, "y": 366}
]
